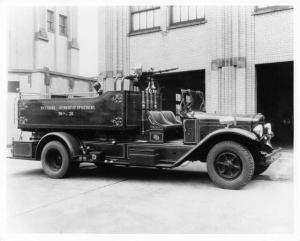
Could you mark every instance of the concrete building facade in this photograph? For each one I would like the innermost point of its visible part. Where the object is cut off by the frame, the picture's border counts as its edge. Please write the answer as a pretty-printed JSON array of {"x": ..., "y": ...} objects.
[
  {"x": 44, "y": 37},
  {"x": 228, "y": 52},
  {"x": 43, "y": 56}
]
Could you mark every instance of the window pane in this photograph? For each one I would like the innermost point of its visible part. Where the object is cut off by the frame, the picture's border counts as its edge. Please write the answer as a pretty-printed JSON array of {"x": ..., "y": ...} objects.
[
  {"x": 184, "y": 13},
  {"x": 200, "y": 12},
  {"x": 50, "y": 21},
  {"x": 13, "y": 86},
  {"x": 143, "y": 16},
  {"x": 156, "y": 18},
  {"x": 136, "y": 22},
  {"x": 63, "y": 24},
  {"x": 192, "y": 12},
  {"x": 176, "y": 14},
  {"x": 150, "y": 22}
]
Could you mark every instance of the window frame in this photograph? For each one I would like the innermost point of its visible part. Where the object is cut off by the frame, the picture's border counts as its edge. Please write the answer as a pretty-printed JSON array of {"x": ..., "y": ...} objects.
[
  {"x": 61, "y": 26},
  {"x": 269, "y": 9},
  {"x": 143, "y": 30},
  {"x": 49, "y": 22},
  {"x": 13, "y": 86},
  {"x": 185, "y": 23}
]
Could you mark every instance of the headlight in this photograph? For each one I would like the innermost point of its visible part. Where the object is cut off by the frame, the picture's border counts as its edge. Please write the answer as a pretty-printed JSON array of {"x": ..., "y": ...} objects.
[{"x": 258, "y": 130}]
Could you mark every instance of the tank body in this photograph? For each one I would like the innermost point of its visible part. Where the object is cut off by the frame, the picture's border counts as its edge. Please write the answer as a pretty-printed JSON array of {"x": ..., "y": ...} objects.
[{"x": 111, "y": 111}]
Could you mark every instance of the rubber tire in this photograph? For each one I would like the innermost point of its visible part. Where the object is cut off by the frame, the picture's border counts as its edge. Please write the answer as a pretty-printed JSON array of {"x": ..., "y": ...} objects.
[
  {"x": 247, "y": 163},
  {"x": 259, "y": 169},
  {"x": 66, "y": 164}
]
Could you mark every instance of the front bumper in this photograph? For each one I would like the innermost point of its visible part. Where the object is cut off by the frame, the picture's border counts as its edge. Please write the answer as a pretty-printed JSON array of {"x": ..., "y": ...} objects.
[{"x": 273, "y": 156}]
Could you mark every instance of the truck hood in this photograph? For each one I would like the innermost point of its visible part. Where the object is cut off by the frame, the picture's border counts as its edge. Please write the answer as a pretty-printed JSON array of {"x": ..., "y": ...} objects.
[{"x": 218, "y": 118}]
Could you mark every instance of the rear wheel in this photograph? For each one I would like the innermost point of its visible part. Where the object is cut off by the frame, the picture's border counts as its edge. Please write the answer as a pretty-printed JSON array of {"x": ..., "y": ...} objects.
[
  {"x": 55, "y": 160},
  {"x": 230, "y": 165}
]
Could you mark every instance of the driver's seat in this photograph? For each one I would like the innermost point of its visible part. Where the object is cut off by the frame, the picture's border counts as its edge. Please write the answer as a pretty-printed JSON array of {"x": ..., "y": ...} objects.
[
  {"x": 169, "y": 116},
  {"x": 157, "y": 119},
  {"x": 164, "y": 128}
]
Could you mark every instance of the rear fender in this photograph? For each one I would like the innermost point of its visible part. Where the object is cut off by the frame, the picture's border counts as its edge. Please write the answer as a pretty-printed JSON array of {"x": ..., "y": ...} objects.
[
  {"x": 72, "y": 143},
  {"x": 241, "y": 136}
]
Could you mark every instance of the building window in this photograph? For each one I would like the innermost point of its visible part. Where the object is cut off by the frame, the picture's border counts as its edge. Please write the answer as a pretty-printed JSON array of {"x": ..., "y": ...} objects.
[
  {"x": 145, "y": 18},
  {"x": 63, "y": 25},
  {"x": 186, "y": 14},
  {"x": 50, "y": 21},
  {"x": 13, "y": 86}
]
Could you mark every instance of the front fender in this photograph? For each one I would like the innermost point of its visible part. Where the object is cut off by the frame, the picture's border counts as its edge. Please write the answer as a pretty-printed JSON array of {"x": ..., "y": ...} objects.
[
  {"x": 235, "y": 131},
  {"x": 220, "y": 134},
  {"x": 71, "y": 142}
]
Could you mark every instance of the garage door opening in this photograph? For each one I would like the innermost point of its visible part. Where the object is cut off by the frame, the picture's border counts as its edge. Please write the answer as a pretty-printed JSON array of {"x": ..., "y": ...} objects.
[
  {"x": 275, "y": 98},
  {"x": 172, "y": 83}
]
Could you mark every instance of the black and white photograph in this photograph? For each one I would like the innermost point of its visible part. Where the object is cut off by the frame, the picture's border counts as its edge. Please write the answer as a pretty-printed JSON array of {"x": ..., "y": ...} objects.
[{"x": 149, "y": 118}]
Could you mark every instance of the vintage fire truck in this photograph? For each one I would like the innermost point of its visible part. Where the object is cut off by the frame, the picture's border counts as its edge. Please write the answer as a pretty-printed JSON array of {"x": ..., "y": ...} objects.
[{"x": 129, "y": 128}]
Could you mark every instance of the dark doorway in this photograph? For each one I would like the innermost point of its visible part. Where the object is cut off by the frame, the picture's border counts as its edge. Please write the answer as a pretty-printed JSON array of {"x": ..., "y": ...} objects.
[
  {"x": 172, "y": 83},
  {"x": 275, "y": 98}
]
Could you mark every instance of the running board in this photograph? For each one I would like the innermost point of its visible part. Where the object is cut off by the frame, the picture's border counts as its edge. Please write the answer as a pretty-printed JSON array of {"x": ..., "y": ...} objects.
[{"x": 164, "y": 165}]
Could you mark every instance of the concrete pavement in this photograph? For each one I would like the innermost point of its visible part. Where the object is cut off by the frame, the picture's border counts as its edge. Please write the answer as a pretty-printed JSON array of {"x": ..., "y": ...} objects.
[{"x": 137, "y": 200}]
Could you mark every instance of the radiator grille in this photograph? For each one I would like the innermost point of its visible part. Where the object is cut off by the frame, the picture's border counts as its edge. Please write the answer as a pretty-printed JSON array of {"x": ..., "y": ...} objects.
[{"x": 190, "y": 131}]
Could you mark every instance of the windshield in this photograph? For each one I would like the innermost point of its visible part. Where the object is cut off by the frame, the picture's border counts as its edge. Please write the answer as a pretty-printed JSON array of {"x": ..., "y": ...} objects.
[{"x": 192, "y": 100}]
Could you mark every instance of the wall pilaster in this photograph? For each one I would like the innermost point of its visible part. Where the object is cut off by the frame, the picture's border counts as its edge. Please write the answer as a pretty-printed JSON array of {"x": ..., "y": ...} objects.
[{"x": 232, "y": 65}]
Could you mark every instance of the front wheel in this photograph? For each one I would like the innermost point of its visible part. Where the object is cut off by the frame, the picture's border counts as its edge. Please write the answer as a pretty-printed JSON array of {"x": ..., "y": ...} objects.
[
  {"x": 230, "y": 165},
  {"x": 55, "y": 160}
]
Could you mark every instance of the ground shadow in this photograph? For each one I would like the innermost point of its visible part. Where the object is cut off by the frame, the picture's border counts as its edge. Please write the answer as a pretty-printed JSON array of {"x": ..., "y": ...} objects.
[
  {"x": 192, "y": 174},
  {"x": 266, "y": 177},
  {"x": 87, "y": 171},
  {"x": 140, "y": 173},
  {"x": 34, "y": 172}
]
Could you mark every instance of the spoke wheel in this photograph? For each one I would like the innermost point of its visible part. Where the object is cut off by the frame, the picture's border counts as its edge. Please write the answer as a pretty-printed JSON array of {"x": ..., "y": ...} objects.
[{"x": 228, "y": 165}]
